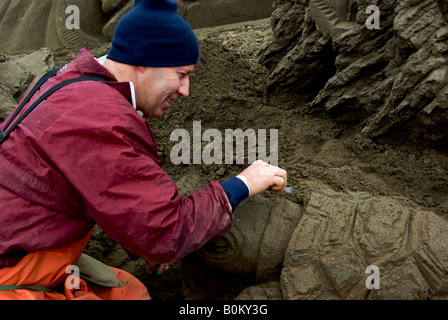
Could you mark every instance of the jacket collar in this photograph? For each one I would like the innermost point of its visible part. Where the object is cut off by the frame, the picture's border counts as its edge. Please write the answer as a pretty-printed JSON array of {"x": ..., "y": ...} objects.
[{"x": 89, "y": 66}]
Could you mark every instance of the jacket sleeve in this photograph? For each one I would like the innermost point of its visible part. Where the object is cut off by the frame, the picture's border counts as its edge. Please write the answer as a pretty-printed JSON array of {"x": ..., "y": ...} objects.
[{"x": 108, "y": 153}]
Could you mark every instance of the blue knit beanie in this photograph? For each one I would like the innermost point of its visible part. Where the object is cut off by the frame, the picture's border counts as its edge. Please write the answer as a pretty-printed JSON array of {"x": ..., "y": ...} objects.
[{"x": 154, "y": 34}]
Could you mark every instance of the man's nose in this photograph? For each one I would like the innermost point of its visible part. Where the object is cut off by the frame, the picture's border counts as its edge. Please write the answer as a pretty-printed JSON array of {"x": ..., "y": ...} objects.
[{"x": 184, "y": 90}]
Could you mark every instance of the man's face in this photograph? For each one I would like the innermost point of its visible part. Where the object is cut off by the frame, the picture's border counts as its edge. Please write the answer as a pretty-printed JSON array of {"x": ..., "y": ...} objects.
[{"x": 157, "y": 87}]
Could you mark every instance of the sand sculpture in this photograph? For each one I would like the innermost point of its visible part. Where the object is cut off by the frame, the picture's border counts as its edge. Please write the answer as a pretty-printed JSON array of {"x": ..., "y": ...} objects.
[
  {"x": 97, "y": 23},
  {"x": 327, "y": 249}
]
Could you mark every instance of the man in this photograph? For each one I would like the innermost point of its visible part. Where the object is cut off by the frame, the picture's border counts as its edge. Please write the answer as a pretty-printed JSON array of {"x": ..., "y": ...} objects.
[{"x": 85, "y": 156}]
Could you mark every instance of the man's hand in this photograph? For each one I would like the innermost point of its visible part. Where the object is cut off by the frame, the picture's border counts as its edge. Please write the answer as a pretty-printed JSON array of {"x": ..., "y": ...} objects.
[
  {"x": 155, "y": 268},
  {"x": 262, "y": 176}
]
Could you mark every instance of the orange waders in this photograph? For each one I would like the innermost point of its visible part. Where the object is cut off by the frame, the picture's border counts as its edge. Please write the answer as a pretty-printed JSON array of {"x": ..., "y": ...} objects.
[{"x": 43, "y": 275}]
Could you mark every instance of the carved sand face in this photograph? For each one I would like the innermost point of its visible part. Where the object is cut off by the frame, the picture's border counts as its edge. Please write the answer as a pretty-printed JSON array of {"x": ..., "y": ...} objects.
[
  {"x": 257, "y": 242},
  {"x": 237, "y": 251}
]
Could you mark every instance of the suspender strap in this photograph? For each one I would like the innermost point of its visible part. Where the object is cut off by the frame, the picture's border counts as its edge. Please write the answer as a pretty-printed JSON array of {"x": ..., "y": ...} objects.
[
  {"x": 4, "y": 133},
  {"x": 30, "y": 94}
]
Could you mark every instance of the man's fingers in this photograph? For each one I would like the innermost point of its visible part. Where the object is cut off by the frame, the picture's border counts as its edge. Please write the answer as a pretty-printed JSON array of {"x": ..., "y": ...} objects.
[
  {"x": 280, "y": 177},
  {"x": 279, "y": 184},
  {"x": 263, "y": 176},
  {"x": 156, "y": 268}
]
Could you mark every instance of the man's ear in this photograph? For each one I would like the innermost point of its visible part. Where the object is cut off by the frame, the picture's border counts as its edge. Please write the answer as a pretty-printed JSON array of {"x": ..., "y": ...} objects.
[{"x": 141, "y": 69}]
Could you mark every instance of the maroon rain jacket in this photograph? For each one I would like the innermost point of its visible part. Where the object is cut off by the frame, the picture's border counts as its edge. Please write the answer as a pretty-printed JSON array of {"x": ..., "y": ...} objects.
[{"x": 85, "y": 156}]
